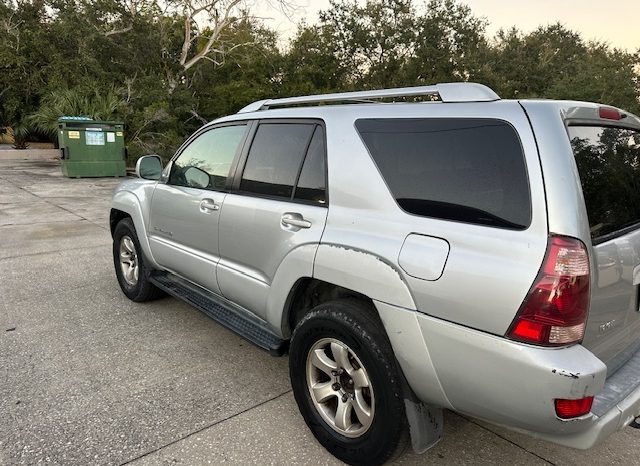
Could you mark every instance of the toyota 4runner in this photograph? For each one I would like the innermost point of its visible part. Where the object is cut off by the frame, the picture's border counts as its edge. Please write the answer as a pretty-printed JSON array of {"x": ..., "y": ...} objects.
[{"x": 413, "y": 250}]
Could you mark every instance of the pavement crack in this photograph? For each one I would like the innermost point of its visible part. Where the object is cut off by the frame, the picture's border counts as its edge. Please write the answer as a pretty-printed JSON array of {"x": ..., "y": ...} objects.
[
  {"x": 190, "y": 434},
  {"x": 472, "y": 421}
]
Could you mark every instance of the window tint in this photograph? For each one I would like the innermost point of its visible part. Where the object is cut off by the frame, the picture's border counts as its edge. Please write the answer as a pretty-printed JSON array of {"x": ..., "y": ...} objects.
[
  {"x": 209, "y": 155},
  {"x": 467, "y": 170},
  {"x": 275, "y": 157},
  {"x": 312, "y": 182},
  {"x": 608, "y": 161}
]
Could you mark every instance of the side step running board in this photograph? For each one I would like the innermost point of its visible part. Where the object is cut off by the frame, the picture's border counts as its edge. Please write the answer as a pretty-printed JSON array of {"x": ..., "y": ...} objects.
[{"x": 223, "y": 312}]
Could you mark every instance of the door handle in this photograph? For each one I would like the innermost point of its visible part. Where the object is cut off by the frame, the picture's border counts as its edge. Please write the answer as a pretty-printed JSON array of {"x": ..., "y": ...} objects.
[
  {"x": 295, "y": 220},
  {"x": 207, "y": 205}
]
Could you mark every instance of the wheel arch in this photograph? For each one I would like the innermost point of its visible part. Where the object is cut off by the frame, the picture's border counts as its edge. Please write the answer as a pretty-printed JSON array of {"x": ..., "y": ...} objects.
[
  {"x": 115, "y": 216},
  {"x": 309, "y": 292},
  {"x": 126, "y": 204}
]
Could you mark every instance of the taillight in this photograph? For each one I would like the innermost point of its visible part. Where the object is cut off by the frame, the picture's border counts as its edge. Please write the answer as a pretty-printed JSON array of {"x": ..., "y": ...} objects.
[
  {"x": 567, "y": 409},
  {"x": 554, "y": 313},
  {"x": 609, "y": 113}
]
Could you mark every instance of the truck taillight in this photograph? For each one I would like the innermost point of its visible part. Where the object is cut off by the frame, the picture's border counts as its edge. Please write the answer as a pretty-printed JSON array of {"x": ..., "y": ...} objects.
[
  {"x": 568, "y": 409},
  {"x": 554, "y": 313}
]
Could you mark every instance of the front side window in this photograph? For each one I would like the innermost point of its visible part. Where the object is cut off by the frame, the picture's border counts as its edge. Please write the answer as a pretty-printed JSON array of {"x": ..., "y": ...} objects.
[
  {"x": 206, "y": 161},
  {"x": 465, "y": 170},
  {"x": 275, "y": 157},
  {"x": 608, "y": 161}
]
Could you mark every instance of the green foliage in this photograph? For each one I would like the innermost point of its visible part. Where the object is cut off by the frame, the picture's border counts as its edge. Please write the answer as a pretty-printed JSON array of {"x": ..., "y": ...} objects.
[
  {"x": 114, "y": 58},
  {"x": 99, "y": 105},
  {"x": 20, "y": 137}
]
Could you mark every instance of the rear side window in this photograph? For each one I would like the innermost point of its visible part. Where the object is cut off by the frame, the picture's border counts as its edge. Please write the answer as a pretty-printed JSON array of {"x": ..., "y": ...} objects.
[
  {"x": 608, "y": 161},
  {"x": 466, "y": 170},
  {"x": 275, "y": 158},
  {"x": 312, "y": 183}
]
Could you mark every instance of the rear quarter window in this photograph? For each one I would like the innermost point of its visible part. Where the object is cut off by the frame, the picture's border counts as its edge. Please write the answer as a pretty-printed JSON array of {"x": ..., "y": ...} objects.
[
  {"x": 466, "y": 170},
  {"x": 608, "y": 161}
]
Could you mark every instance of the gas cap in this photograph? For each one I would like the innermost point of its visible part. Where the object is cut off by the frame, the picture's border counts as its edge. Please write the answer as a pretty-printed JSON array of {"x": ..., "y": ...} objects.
[{"x": 424, "y": 256}]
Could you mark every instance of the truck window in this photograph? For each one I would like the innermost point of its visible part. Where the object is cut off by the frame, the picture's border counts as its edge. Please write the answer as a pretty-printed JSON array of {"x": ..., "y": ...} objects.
[
  {"x": 460, "y": 169},
  {"x": 608, "y": 161}
]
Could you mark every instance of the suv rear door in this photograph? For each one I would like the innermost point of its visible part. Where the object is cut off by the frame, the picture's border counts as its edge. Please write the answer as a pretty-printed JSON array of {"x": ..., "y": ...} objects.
[
  {"x": 278, "y": 203},
  {"x": 608, "y": 161}
]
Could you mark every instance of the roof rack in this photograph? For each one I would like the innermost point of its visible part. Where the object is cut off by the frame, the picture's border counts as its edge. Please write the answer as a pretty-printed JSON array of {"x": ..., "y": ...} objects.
[{"x": 447, "y": 92}]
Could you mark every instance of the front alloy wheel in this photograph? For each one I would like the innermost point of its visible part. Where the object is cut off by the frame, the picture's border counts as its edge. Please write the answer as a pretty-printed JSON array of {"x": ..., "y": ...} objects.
[
  {"x": 130, "y": 264},
  {"x": 129, "y": 260}
]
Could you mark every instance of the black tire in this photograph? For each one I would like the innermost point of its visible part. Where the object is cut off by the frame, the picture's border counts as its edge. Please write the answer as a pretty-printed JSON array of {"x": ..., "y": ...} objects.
[
  {"x": 143, "y": 289},
  {"x": 357, "y": 325}
]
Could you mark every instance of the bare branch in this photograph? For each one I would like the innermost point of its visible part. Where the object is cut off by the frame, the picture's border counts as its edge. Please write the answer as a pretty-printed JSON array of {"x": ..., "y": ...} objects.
[
  {"x": 13, "y": 29},
  {"x": 198, "y": 117},
  {"x": 220, "y": 22},
  {"x": 129, "y": 83},
  {"x": 205, "y": 22},
  {"x": 187, "y": 41},
  {"x": 118, "y": 31}
]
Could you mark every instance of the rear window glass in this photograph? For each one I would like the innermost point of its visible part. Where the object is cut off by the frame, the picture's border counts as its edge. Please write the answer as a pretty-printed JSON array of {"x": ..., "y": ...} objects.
[
  {"x": 275, "y": 157},
  {"x": 466, "y": 170},
  {"x": 312, "y": 182},
  {"x": 608, "y": 161}
]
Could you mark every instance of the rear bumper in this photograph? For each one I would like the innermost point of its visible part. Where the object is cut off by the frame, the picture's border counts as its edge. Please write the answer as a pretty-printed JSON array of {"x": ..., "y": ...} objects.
[
  {"x": 615, "y": 407},
  {"x": 505, "y": 382},
  {"x": 621, "y": 415}
]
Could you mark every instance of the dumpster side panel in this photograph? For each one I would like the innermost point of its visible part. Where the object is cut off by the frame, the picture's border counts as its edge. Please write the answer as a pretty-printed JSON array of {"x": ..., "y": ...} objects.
[{"x": 92, "y": 149}]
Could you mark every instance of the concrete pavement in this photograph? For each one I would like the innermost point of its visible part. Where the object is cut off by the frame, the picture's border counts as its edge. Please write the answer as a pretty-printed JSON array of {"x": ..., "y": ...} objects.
[{"x": 88, "y": 377}]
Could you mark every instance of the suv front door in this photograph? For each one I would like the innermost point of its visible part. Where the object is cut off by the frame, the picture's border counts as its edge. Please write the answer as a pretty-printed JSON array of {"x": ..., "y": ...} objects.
[
  {"x": 185, "y": 210},
  {"x": 278, "y": 204}
]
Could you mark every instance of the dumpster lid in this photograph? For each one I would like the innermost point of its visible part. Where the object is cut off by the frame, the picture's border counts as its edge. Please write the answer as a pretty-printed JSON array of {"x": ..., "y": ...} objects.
[
  {"x": 74, "y": 118},
  {"x": 84, "y": 119}
]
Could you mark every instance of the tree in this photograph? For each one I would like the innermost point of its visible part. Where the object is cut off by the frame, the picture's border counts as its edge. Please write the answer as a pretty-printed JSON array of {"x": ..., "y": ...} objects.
[
  {"x": 102, "y": 105},
  {"x": 450, "y": 45},
  {"x": 555, "y": 62},
  {"x": 372, "y": 41},
  {"x": 175, "y": 64},
  {"x": 311, "y": 64},
  {"x": 24, "y": 50}
]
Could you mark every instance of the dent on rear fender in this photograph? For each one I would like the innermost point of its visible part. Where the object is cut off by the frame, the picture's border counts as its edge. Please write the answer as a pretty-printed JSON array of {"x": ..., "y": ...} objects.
[{"x": 363, "y": 272}]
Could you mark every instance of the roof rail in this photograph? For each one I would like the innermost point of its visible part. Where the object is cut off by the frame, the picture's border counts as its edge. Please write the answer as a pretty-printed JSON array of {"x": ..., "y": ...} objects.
[{"x": 448, "y": 92}]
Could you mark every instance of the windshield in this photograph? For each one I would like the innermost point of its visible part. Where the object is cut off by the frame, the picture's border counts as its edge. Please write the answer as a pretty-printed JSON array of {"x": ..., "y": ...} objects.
[{"x": 608, "y": 161}]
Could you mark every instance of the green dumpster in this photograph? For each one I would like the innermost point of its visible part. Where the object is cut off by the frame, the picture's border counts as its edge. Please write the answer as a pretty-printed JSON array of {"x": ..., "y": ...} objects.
[{"x": 91, "y": 147}]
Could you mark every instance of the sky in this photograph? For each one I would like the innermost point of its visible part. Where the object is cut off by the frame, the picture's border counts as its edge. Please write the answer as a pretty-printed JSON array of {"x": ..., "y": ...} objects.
[{"x": 616, "y": 22}]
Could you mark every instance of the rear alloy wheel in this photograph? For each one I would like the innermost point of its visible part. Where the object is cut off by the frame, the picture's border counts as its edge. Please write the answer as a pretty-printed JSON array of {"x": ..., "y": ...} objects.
[
  {"x": 340, "y": 387},
  {"x": 346, "y": 382}
]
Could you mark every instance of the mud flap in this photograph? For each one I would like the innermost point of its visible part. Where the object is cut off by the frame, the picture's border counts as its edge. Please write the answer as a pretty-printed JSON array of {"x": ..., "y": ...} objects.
[{"x": 425, "y": 425}]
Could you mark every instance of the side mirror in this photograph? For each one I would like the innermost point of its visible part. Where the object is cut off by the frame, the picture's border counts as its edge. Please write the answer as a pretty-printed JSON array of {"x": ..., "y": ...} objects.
[{"x": 149, "y": 167}]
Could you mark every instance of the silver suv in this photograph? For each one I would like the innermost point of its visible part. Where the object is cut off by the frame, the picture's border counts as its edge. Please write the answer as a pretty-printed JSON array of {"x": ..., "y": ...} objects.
[{"x": 413, "y": 250}]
